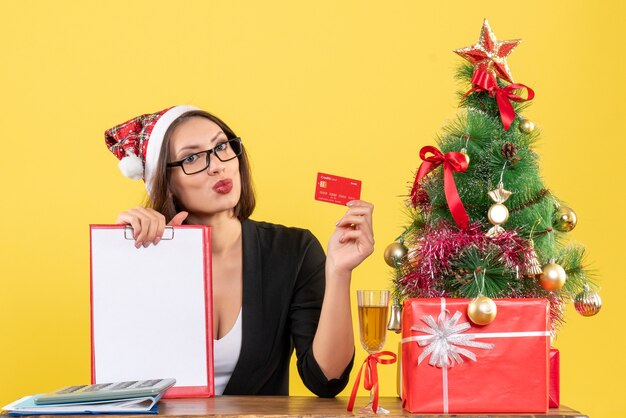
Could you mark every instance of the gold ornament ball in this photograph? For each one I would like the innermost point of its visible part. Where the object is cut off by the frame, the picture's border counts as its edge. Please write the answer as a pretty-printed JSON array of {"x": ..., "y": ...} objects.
[
  {"x": 527, "y": 126},
  {"x": 565, "y": 219},
  {"x": 395, "y": 254},
  {"x": 498, "y": 214},
  {"x": 552, "y": 277},
  {"x": 482, "y": 310},
  {"x": 588, "y": 302}
]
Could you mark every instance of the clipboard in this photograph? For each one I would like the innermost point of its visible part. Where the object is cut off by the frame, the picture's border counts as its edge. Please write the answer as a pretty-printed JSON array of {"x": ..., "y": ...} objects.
[{"x": 151, "y": 308}]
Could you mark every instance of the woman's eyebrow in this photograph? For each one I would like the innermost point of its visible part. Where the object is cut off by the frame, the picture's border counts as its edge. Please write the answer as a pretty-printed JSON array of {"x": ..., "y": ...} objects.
[
  {"x": 194, "y": 147},
  {"x": 217, "y": 135}
]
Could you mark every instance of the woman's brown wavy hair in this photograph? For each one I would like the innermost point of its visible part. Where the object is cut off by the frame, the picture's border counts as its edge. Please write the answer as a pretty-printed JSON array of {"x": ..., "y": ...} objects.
[{"x": 161, "y": 198}]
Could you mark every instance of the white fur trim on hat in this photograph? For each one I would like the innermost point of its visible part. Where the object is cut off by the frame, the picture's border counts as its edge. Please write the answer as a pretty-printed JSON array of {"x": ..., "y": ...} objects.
[
  {"x": 156, "y": 140},
  {"x": 131, "y": 166}
]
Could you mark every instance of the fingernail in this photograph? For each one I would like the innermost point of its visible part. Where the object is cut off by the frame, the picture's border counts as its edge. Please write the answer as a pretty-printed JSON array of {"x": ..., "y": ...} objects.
[
  {"x": 146, "y": 244},
  {"x": 350, "y": 203},
  {"x": 138, "y": 244},
  {"x": 156, "y": 241}
]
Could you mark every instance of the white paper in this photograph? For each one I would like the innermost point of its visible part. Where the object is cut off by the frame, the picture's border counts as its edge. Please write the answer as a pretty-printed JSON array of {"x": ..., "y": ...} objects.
[{"x": 149, "y": 308}]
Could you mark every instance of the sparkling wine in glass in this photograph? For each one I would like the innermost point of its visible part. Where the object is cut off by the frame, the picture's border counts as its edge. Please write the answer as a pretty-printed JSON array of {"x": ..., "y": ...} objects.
[{"x": 373, "y": 306}]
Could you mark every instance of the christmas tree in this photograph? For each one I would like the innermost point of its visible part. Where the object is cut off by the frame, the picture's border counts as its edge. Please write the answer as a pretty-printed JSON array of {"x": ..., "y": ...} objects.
[{"x": 482, "y": 222}]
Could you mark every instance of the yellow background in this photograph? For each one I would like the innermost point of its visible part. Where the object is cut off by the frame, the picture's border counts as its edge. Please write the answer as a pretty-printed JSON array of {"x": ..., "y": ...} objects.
[{"x": 353, "y": 88}]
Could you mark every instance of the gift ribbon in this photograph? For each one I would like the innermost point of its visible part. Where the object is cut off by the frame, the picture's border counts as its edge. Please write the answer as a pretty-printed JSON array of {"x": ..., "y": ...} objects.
[
  {"x": 452, "y": 161},
  {"x": 484, "y": 81},
  {"x": 445, "y": 336},
  {"x": 445, "y": 339},
  {"x": 371, "y": 377}
]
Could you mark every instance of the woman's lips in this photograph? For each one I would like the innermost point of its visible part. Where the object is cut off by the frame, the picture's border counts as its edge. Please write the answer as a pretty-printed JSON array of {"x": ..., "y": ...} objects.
[{"x": 223, "y": 186}]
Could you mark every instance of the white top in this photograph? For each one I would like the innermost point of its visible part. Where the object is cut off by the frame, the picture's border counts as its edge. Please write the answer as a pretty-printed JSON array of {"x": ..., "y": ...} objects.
[{"x": 225, "y": 356}]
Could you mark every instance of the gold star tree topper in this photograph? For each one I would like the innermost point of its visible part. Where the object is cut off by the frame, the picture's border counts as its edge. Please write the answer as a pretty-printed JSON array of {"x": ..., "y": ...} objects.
[{"x": 490, "y": 54}]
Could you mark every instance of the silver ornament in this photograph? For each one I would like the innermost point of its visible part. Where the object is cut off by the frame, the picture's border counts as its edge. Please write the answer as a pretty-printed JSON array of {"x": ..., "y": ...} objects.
[{"x": 395, "y": 319}]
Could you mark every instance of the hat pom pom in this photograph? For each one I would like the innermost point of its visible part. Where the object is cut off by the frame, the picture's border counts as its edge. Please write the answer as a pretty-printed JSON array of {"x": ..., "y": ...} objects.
[{"x": 131, "y": 166}]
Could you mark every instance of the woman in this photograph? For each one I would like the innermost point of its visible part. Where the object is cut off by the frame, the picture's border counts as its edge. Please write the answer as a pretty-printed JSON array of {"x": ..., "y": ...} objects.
[{"x": 273, "y": 288}]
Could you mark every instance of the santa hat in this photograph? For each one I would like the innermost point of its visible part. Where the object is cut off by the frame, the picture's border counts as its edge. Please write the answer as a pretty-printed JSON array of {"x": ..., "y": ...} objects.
[{"x": 137, "y": 142}]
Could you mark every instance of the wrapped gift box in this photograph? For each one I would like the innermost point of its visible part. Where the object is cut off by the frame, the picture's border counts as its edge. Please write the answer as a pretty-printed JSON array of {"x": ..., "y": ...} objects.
[
  {"x": 554, "y": 390},
  {"x": 510, "y": 371}
]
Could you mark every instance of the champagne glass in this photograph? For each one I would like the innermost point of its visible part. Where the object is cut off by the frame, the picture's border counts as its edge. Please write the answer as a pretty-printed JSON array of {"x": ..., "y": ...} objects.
[{"x": 373, "y": 306}]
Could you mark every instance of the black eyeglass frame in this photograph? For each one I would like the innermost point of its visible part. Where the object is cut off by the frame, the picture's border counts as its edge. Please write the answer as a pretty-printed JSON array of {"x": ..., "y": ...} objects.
[{"x": 208, "y": 153}]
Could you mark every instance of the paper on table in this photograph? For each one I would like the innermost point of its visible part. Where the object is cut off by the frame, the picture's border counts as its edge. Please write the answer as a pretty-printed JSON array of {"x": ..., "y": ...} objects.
[{"x": 27, "y": 406}]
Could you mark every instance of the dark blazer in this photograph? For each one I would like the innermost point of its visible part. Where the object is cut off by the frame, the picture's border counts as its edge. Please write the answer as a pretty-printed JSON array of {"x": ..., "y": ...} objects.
[{"x": 283, "y": 289}]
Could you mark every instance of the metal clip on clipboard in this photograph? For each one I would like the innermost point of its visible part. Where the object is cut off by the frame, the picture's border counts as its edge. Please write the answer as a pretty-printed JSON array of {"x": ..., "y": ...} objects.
[{"x": 168, "y": 233}]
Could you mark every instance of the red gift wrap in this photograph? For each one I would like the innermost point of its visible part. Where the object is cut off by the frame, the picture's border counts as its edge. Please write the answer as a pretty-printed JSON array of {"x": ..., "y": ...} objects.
[
  {"x": 555, "y": 379},
  {"x": 450, "y": 365}
]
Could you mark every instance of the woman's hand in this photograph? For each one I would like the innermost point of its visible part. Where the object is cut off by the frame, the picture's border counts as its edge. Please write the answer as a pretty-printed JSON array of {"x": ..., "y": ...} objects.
[
  {"x": 148, "y": 224},
  {"x": 353, "y": 239},
  {"x": 350, "y": 244}
]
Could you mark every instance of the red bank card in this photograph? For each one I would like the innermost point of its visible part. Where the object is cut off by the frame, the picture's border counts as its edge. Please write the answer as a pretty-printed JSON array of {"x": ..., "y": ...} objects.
[{"x": 335, "y": 189}]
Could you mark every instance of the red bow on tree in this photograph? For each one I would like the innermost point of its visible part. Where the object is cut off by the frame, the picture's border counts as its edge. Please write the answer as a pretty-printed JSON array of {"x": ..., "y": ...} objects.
[
  {"x": 452, "y": 161},
  {"x": 484, "y": 81},
  {"x": 371, "y": 377}
]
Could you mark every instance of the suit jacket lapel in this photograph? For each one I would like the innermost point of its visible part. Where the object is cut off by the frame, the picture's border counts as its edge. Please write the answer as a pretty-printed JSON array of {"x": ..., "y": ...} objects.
[{"x": 242, "y": 379}]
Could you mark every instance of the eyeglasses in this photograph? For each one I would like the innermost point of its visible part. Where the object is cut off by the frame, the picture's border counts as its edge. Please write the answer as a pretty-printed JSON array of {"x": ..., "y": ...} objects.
[{"x": 200, "y": 161}]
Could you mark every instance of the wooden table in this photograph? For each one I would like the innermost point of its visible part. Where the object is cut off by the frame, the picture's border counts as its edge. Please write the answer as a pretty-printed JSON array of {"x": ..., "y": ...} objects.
[{"x": 301, "y": 406}]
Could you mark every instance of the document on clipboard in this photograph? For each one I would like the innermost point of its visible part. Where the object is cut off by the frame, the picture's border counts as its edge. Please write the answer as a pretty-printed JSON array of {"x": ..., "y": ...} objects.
[{"x": 151, "y": 308}]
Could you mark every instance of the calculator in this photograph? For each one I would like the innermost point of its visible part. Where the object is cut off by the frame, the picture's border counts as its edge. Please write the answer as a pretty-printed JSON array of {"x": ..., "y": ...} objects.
[{"x": 106, "y": 391}]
